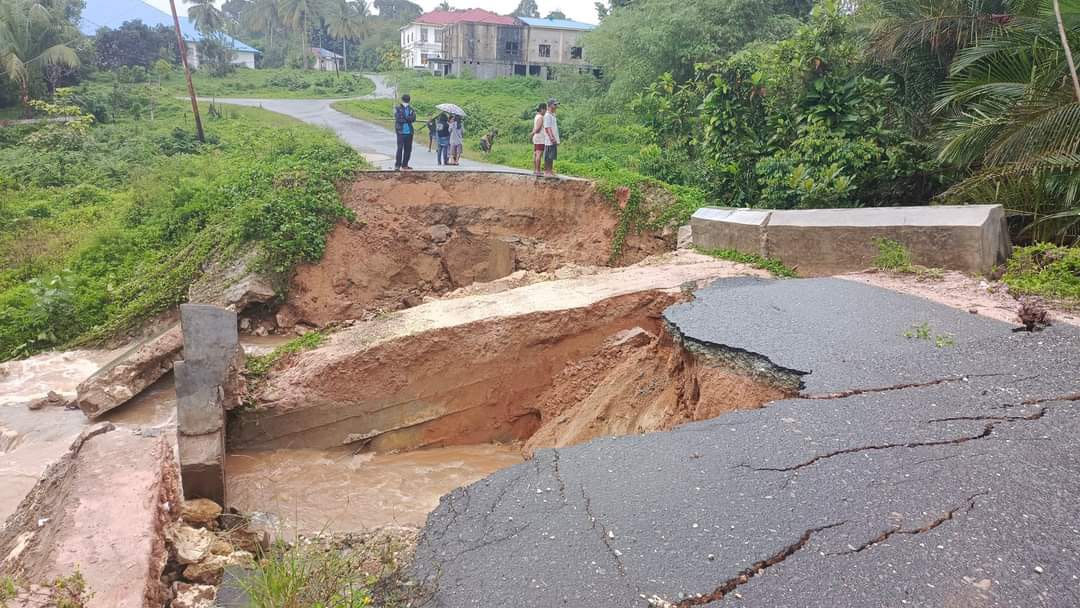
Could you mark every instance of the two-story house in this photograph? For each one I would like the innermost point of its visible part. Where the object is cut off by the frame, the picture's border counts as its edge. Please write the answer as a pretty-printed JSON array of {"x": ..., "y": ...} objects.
[{"x": 486, "y": 45}]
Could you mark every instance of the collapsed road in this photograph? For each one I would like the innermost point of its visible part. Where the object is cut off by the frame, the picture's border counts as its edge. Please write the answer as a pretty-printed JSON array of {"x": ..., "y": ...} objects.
[{"x": 930, "y": 460}]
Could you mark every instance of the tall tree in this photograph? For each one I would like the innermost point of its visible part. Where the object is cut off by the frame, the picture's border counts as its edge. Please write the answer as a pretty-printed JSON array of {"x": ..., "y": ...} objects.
[
  {"x": 556, "y": 14},
  {"x": 262, "y": 16},
  {"x": 526, "y": 8},
  {"x": 32, "y": 39},
  {"x": 207, "y": 17},
  {"x": 444, "y": 6},
  {"x": 344, "y": 22},
  {"x": 398, "y": 10},
  {"x": 297, "y": 14}
]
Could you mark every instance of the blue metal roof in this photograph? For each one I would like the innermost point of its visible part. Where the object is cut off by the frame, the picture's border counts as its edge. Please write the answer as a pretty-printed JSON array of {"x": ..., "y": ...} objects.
[
  {"x": 113, "y": 13},
  {"x": 562, "y": 24}
]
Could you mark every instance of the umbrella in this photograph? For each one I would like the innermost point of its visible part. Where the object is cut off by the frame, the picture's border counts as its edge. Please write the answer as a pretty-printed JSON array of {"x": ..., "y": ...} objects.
[{"x": 450, "y": 108}]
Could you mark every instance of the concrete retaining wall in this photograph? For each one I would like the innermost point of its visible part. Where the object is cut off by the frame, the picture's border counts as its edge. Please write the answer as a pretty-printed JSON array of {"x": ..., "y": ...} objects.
[{"x": 816, "y": 242}]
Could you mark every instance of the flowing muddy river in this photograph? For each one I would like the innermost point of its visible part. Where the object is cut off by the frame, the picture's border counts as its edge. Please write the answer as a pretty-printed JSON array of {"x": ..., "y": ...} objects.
[
  {"x": 310, "y": 491},
  {"x": 298, "y": 490}
]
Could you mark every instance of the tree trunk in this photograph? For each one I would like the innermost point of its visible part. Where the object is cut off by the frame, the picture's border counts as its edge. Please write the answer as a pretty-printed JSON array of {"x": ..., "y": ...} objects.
[
  {"x": 187, "y": 74},
  {"x": 345, "y": 52},
  {"x": 1068, "y": 51},
  {"x": 24, "y": 97}
]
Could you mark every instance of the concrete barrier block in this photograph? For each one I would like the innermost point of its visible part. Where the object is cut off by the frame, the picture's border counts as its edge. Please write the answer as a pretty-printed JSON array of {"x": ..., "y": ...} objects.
[
  {"x": 719, "y": 228},
  {"x": 817, "y": 242}
]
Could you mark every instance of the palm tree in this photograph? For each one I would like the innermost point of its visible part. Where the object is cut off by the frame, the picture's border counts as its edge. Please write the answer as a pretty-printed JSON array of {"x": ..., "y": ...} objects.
[
  {"x": 33, "y": 38},
  {"x": 444, "y": 6},
  {"x": 1013, "y": 120},
  {"x": 296, "y": 14},
  {"x": 262, "y": 16},
  {"x": 206, "y": 17},
  {"x": 344, "y": 21}
]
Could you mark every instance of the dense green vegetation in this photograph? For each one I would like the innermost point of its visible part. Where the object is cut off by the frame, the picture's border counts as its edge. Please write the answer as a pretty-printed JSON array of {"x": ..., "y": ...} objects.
[
  {"x": 282, "y": 83},
  {"x": 102, "y": 228},
  {"x": 1046, "y": 270}
]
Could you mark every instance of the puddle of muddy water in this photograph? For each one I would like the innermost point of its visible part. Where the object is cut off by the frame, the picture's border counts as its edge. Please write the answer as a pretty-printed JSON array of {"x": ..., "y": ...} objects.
[{"x": 310, "y": 491}]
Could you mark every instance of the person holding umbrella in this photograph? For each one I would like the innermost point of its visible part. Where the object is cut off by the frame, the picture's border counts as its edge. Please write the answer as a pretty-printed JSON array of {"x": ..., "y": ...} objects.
[
  {"x": 442, "y": 133},
  {"x": 457, "y": 139}
]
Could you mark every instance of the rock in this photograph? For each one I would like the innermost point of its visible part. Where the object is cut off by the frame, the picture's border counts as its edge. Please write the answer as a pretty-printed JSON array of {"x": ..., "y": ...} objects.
[
  {"x": 200, "y": 512},
  {"x": 193, "y": 596},
  {"x": 130, "y": 373},
  {"x": 251, "y": 541},
  {"x": 685, "y": 238},
  {"x": 231, "y": 284},
  {"x": 439, "y": 233},
  {"x": 286, "y": 317},
  {"x": 251, "y": 290},
  {"x": 245, "y": 324},
  {"x": 53, "y": 399},
  {"x": 210, "y": 570},
  {"x": 191, "y": 545},
  {"x": 632, "y": 337},
  {"x": 221, "y": 547}
]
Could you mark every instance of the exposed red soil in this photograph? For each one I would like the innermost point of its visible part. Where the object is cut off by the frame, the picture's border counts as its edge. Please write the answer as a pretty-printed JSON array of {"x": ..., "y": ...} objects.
[{"x": 487, "y": 226}]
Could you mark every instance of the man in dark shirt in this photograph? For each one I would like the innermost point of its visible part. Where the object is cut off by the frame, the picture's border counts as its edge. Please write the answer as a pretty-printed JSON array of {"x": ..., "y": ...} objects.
[{"x": 404, "y": 117}]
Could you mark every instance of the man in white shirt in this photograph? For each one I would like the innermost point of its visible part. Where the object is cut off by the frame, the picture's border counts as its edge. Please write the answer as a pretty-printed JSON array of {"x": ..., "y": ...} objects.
[
  {"x": 551, "y": 137},
  {"x": 539, "y": 138}
]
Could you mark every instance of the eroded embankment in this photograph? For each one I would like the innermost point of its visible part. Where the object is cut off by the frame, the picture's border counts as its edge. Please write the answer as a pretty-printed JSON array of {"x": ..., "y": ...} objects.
[
  {"x": 419, "y": 235},
  {"x": 548, "y": 364}
]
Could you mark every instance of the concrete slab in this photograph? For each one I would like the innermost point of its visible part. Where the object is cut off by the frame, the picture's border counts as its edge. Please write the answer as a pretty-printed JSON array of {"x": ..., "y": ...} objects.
[
  {"x": 130, "y": 373},
  {"x": 970, "y": 238},
  {"x": 100, "y": 510}
]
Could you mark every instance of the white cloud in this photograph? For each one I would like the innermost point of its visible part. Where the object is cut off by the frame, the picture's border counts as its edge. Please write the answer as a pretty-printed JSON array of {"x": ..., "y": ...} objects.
[{"x": 581, "y": 10}]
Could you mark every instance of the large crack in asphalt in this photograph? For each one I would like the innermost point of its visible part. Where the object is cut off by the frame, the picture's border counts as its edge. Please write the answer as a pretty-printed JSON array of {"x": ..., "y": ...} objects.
[
  {"x": 988, "y": 430},
  {"x": 947, "y": 516},
  {"x": 744, "y": 576}
]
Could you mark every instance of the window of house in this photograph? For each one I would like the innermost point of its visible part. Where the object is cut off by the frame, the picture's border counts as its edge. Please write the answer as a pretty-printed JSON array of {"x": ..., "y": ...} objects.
[
  {"x": 423, "y": 34},
  {"x": 545, "y": 50},
  {"x": 438, "y": 35},
  {"x": 575, "y": 52},
  {"x": 534, "y": 70},
  {"x": 512, "y": 47}
]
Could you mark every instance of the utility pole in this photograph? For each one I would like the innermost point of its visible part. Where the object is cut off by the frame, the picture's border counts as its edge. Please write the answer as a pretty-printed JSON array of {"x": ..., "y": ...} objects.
[{"x": 187, "y": 74}]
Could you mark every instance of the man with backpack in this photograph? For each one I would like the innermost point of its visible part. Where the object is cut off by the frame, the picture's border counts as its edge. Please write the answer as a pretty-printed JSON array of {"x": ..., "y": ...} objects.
[{"x": 404, "y": 117}]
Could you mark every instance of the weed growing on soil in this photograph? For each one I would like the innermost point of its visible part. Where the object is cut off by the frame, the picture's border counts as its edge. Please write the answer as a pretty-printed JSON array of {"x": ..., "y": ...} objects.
[
  {"x": 892, "y": 255},
  {"x": 1046, "y": 270},
  {"x": 7, "y": 590},
  {"x": 257, "y": 367},
  {"x": 776, "y": 267},
  {"x": 71, "y": 591}
]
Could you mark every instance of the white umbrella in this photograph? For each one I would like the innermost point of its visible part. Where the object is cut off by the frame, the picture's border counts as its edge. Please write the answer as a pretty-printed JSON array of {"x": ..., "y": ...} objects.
[{"x": 450, "y": 108}]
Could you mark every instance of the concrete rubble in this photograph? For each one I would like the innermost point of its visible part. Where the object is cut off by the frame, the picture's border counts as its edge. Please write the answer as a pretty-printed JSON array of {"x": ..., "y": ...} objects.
[
  {"x": 126, "y": 376},
  {"x": 205, "y": 389}
]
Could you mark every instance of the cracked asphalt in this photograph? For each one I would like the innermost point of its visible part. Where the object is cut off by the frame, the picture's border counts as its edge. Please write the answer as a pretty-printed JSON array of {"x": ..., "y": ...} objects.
[{"x": 907, "y": 474}]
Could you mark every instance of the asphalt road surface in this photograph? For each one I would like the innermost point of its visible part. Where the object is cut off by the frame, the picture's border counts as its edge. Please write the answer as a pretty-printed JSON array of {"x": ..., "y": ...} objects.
[
  {"x": 377, "y": 144},
  {"x": 932, "y": 460}
]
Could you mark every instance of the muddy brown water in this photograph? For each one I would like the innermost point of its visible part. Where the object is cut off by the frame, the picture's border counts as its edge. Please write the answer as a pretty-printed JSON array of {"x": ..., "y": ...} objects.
[
  {"x": 310, "y": 491},
  {"x": 305, "y": 491}
]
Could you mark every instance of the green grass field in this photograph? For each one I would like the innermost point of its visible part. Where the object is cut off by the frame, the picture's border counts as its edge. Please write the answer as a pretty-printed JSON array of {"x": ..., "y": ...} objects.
[{"x": 264, "y": 84}]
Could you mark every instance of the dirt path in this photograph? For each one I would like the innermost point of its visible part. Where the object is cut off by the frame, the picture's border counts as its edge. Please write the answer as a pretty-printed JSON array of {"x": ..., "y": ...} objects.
[{"x": 377, "y": 144}]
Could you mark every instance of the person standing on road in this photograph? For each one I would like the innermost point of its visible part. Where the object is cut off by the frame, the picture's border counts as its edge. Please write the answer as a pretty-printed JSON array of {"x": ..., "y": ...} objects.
[
  {"x": 404, "y": 117},
  {"x": 551, "y": 137},
  {"x": 457, "y": 139},
  {"x": 442, "y": 132},
  {"x": 539, "y": 138},
  {"x": 430, "y": 133}
]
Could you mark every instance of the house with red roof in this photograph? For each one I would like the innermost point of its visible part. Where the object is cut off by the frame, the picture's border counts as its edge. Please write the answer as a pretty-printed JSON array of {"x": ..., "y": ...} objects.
[{"x": 487, "y": 45}]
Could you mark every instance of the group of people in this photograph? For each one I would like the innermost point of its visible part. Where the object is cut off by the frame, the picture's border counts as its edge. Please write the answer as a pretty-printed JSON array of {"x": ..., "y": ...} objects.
[{"x": 448, "y": 131}]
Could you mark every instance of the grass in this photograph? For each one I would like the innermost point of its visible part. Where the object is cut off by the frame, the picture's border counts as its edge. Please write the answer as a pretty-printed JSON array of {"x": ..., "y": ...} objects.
[
  {"x": 892, "y": 255},
  {"x": 101, "y": 231},
  {"x": 923, "y": 331},
  {"x": 1046, "y": 270},
  {"x": 258, "y": 366},
  {"x": 264, "y": 84},
  {"x": 776, "y": 267},
  {"x": 351, "y": 572},
  {"x": 612, "y": 149}
]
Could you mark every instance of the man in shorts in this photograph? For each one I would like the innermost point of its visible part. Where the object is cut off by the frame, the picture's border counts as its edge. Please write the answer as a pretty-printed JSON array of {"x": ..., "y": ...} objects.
[
  {"x": 539, "y": 138},
  {"x": 551, "y": 137}
]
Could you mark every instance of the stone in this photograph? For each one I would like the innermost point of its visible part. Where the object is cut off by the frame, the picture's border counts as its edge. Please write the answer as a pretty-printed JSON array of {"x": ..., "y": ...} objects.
[
  {"x": 201, "y": 512},
  {"x": 231, "y": 284},
  {"x": 193, "y": 596},
  {"x": 233, "y": 590},
  {"x": 210, "y": 570},
  {"x": 246, "y": 539},
  {"x": 53, "y": 399},
  {"x": 439, "y": 233},
  {"x": 685, "y": 237},
  {"x": 633, "y": 337},
  {"x": 128, "y": 374},
  {"x": 221, "y": 546},
  {"x": 191, "y": 545}
]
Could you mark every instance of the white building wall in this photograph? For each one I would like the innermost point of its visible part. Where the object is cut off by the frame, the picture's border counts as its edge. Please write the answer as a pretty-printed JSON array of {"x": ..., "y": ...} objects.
[
  {"x": 241, "y": 58},
  {"x": 415, "y": 49}
]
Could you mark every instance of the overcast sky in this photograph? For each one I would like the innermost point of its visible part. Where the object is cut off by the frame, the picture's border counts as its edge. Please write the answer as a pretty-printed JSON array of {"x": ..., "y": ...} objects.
[{"x": 581, "y": 10}]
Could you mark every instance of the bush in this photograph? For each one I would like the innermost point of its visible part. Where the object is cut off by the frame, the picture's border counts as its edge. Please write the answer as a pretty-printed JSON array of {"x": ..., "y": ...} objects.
[
  {"x": 892, "y": 255},
  {"x": 1046, "y": 270}
]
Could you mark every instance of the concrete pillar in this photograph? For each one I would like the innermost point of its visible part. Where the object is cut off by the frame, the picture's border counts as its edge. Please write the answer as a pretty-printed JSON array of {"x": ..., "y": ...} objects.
[{"x": 212, "y": 354}]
